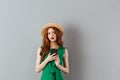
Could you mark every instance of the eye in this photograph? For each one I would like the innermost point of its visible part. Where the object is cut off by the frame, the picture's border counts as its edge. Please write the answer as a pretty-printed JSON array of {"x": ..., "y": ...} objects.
[
  {"x": 48, "y": 33},
  {"x": 54, "y": 32}
]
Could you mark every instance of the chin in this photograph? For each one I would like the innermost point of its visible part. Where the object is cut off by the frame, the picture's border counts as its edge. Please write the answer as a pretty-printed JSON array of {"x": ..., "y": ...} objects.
[{"x": 52, "y": 40}]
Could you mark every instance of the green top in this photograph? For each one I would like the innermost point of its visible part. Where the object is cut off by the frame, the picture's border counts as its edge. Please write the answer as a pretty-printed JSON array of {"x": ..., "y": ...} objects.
[{"x": 50, "y": 71}]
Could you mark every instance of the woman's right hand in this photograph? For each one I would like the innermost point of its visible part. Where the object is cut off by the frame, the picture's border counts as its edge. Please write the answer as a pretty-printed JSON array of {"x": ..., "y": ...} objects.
[{"x": 51, "y": 57}]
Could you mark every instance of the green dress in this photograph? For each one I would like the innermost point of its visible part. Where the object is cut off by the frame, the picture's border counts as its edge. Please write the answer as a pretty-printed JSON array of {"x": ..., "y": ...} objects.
[{"x": 50, "y": 71}]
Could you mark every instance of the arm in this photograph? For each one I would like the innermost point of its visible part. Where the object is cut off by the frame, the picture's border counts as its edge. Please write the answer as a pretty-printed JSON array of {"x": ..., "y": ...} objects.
[
  {"x": 39, "y": 66},
  {"x": 64, "y": 68}
]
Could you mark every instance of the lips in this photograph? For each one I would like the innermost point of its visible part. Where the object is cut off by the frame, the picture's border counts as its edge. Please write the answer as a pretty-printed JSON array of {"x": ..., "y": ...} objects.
[{"x": 52, "y": 38}]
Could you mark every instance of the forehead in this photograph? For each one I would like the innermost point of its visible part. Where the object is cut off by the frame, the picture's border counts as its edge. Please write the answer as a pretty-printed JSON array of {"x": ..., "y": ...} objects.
[{"x": 51, "y": 30}]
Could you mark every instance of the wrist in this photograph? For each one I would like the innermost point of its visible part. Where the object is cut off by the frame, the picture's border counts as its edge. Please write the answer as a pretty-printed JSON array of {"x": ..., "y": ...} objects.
[
  {"x": 57, "y": 63},
  {"x": 47, "y": 60}
]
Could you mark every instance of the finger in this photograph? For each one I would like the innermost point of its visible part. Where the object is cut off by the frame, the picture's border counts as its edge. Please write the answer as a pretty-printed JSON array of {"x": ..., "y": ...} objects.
[
  {"x": 55, "y": 57},
  {"x": 53, "y": 54}
]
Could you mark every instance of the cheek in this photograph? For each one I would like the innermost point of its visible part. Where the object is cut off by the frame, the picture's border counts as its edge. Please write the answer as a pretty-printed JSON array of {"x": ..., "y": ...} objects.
[
  {"x": 49, "y": 36},
  {"x": 55, "y": 37}
]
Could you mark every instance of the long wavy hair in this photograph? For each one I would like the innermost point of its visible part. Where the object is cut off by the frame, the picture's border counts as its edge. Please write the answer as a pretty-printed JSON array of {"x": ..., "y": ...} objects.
[{"x": 46, "y": 42}]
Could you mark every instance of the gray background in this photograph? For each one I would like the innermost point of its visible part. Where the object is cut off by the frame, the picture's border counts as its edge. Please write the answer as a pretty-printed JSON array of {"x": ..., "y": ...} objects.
[{"x": 92, "y": 29}]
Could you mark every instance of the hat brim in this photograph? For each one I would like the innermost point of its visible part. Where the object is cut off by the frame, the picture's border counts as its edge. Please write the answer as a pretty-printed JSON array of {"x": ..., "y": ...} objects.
[{"x": 51, "y": 25}]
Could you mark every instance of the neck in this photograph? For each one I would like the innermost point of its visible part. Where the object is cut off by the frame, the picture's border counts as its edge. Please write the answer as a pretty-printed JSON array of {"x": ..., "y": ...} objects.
[{"x": 54, "y": 45}]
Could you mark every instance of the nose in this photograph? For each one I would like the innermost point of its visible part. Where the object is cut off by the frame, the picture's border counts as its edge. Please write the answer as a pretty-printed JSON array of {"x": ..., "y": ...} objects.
[{"x": 52, "y": 34}]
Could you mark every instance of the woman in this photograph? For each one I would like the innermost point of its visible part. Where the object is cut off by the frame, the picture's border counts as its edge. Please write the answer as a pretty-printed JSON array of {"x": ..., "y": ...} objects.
[{"x": 52, "y": 65}]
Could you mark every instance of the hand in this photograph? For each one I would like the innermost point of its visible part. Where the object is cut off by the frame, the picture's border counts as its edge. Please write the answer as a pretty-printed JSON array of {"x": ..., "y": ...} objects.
[
  {"x": 57, "y": 60},
  {"x": 51, "y": 57}
]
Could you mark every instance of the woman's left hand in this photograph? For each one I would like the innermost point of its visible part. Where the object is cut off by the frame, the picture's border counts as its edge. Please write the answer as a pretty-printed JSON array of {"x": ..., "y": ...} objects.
[{"x": 57, "y": 60}]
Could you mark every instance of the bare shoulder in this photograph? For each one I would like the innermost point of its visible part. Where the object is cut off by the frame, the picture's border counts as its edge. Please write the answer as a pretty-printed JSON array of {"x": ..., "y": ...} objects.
[
  {"x": 38, "y": 51},
  {"x": 66, "y": 52}
]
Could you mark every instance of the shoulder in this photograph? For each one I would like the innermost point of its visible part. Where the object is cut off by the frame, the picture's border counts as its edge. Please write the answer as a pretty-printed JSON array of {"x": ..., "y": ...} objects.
[
  {"x": 66, "y": 52},
  {"x": 64, "y": 48},
  {"x": 38, "y": 51}
]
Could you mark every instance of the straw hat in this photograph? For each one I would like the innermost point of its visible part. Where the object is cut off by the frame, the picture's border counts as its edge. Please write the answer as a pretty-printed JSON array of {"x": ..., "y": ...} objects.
[{"x": 51, "y": 25}]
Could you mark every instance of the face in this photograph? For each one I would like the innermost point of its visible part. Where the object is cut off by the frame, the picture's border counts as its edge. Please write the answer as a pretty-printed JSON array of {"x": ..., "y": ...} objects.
[{"x": 51, "y": 35}]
